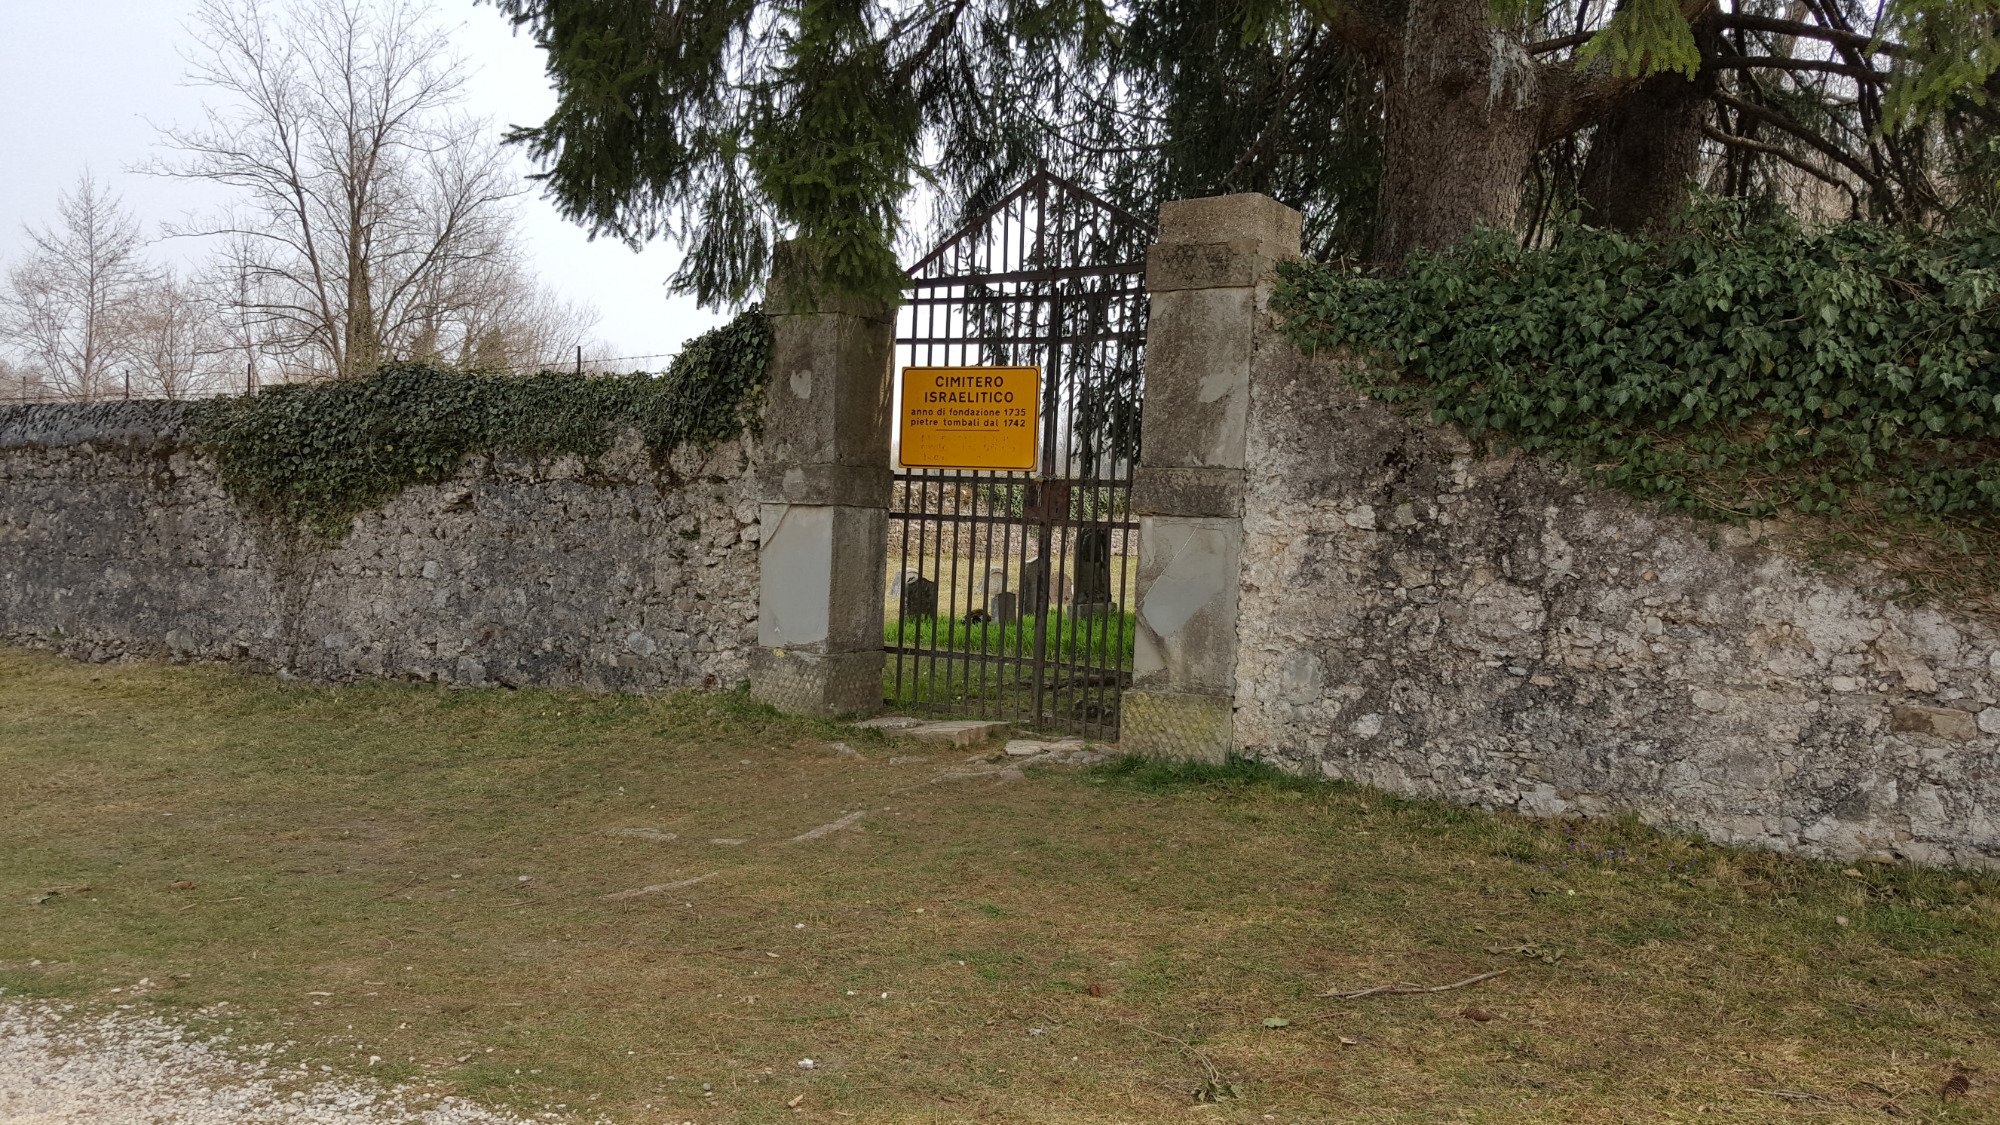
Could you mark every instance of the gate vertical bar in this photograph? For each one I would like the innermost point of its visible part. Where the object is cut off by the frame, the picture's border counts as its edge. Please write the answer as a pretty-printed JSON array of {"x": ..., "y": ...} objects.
[{"x": 1046, "y": 598}]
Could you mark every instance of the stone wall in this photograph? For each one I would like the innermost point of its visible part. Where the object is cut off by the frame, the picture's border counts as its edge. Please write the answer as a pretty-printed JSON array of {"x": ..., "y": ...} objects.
[
  {"x": 1492, "y": 630},
  {"x": 116, "y": 541}
]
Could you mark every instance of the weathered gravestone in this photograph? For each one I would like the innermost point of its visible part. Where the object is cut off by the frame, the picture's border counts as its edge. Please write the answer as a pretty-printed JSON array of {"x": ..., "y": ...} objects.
[
  {"x": 1001, "y": 605},
  {"x": 1034, "y": 587},
  {"x": 920, "y": 598},
  {"x": 1092, "y": 588}
]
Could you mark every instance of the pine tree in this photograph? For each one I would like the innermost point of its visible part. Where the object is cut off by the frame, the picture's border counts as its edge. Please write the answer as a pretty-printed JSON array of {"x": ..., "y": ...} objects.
[{"x": 1393, "y": 126}]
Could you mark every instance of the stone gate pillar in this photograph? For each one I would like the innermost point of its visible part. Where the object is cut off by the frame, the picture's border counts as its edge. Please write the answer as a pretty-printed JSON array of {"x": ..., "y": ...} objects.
[
  {"x": 1210, "y": 276},
  {"x": 823, "y": 478}
]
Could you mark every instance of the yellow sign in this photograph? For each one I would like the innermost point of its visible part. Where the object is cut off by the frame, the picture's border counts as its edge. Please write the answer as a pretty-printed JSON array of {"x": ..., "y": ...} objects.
[{"x": 969, "y": 418}]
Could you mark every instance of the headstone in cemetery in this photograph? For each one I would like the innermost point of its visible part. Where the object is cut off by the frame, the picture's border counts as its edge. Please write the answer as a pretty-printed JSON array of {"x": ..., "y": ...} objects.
[
  {"x": 1092, "y": 588},
  {"x": 996, "y": 581},
  {"x": 1004, "y": 607},
  {"x": 919, "y": 598},
  {"x": 1034, "y": 587},
  {"x": 1046, "y": 500}
]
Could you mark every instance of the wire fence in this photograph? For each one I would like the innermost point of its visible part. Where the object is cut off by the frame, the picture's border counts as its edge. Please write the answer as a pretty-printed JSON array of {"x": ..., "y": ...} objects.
[
  {"x": 22, "y": 395},
  {"x": 582, "y": 365},
  {"x": 22, "y": 390}
]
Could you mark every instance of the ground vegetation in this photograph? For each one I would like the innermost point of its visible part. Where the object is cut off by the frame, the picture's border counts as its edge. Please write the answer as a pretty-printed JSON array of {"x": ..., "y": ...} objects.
[{"x": 450, "y": 888}]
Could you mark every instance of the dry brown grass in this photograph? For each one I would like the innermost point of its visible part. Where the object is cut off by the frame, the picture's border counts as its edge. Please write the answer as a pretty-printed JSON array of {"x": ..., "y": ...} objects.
[{"x": 367, "y": 842}]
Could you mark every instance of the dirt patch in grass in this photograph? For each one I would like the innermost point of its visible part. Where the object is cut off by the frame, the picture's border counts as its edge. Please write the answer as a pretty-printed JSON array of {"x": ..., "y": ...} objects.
[{"x": 428, "y": 877}]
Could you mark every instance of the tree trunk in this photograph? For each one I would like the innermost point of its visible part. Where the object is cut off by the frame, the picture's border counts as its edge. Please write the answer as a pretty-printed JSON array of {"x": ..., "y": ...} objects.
[
  {"x": 363, "y": 344},
  {"x": 1646, "y": 150},
  {"x": 1462, "y": 117}
]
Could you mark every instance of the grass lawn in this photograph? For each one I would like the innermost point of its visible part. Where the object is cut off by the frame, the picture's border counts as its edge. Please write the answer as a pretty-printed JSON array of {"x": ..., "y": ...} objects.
[
  {"x": 1101, "y": 640},
  {"x": 421, "y": 875},
  {"x": 1076, "y": 696}
]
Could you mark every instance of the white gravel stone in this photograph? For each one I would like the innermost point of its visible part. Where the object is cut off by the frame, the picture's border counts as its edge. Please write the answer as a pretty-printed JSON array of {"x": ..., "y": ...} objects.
[{"x": 62, "y": 1067}]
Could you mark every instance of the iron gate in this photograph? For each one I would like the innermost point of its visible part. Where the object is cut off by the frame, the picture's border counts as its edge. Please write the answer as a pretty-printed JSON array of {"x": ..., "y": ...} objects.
[{"x": 1009, "y": 592}]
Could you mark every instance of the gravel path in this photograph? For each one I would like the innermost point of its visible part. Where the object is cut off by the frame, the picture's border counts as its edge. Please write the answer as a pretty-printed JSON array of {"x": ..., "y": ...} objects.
[{"x": 60, "y": 1067}]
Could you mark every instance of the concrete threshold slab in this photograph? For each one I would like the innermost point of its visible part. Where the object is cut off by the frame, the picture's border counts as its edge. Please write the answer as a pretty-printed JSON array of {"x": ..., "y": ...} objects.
[
  {"x": 1028, "y": 747},
  {"x": 891, "y": 723},
  {"x": 955, "y": 732},
  {"x": 978, "y": 734},
  {"x": 947, "y": 732}
]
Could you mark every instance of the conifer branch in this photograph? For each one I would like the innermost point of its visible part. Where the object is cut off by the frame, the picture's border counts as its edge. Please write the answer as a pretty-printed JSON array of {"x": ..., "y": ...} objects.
[
  {"x": 1747, "y": 22},
  {"x": 1825, "y": 147},
  {"x": 1776, "y": 62},
  {"x": 1749, "y": 145}
]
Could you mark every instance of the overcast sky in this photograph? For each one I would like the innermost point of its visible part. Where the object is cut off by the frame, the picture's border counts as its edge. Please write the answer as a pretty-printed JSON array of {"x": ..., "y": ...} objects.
[{"x": 80, "y": 80}]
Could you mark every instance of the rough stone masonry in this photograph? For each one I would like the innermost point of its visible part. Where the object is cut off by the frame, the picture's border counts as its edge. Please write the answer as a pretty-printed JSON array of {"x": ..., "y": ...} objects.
[
  {"x": 116, "y": 541},
  {"x": 1335, "y": 588},
  {"x": 1491, "y": 629}
]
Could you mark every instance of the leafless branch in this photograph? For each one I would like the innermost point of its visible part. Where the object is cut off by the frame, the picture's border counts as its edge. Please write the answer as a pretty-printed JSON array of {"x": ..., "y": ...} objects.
[
  {"x": 372, "y": 211},
  {"x": 1820, "y": 144},
  {"x": 1749, "y": 22},
  {"x": 1745, "y": 143},
  {"x": 1546, "y": 46},
  {"x": 1772, "y": 62},
  {"x": 1412, "y": 989}
]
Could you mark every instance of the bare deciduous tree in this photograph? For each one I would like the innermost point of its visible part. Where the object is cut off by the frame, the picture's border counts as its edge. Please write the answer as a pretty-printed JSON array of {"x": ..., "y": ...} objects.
[
  {"x": 233, "y": 291},
  {"x": 497, "y": 317},
  {"x": 364, "y": 189},
  {"x": 531, "y": 326},
  {"x": 67, "y": 304},
  {"x": 173, "y": 341},
  {"x": 18, "y": 384}
]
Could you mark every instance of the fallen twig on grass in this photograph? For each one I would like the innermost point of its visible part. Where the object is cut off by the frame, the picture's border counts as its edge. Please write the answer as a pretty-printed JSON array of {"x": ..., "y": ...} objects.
[
  {"x": 401, "y": 887},
  {"x": 656, "y": 888},
  {"x": 1411, "y": 989},
  {"x": 829, "y": 828},
  {"x": 1788, "y": 1095},
  {"x": 1216, "y": 1088},
  {"x": 1892, "y": 1107}
]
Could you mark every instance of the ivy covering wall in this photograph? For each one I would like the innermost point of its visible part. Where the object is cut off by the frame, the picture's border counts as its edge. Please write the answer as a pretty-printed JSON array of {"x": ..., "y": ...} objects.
[
  {"x": 1738, "y": 369},
  {"x": 312, "y": 456}
]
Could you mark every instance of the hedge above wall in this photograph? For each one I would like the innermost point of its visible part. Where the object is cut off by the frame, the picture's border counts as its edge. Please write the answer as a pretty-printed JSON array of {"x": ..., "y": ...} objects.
[
  {"x": 1738, "y": 369},
  {"x": 314, "y": 455}
]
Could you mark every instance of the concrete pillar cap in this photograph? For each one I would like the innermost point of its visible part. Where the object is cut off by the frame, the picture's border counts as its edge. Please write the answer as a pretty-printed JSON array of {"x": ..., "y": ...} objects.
[{"x": 1250, "y": 217}]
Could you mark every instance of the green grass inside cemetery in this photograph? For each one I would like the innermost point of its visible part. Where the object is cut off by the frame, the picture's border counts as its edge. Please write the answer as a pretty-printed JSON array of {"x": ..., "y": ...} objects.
[
  {"x": 1073, "y": 947},
  {"x": 1100, "y": 640},
  {"x": 1086, "y": 653}
]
